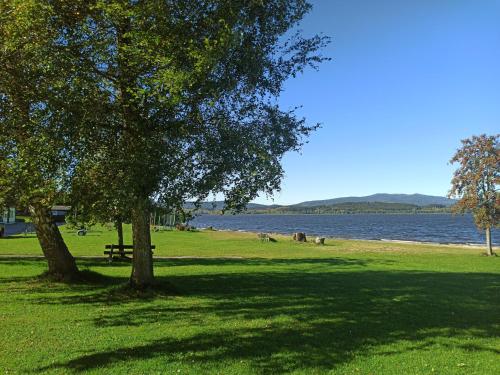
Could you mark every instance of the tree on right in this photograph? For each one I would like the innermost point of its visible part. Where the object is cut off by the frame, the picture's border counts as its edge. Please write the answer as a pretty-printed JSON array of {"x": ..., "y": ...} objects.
[{"x": 475, "y": 182}]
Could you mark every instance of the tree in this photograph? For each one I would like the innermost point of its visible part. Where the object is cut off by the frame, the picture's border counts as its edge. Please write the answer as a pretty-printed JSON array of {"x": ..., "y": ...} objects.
[
  {"x": 102, "y": 201},
  {"x": 194, "y": 87},
  {"x": 41, "y": 96},
  {"x": 476, "y": 182}
]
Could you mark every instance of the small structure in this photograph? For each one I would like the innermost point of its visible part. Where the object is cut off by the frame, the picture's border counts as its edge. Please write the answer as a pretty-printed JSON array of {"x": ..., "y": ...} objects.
[
  {"x": 59, "y": 213},
  {"x": 300, "y": 237},
  {"x": 8, "y": 216}
]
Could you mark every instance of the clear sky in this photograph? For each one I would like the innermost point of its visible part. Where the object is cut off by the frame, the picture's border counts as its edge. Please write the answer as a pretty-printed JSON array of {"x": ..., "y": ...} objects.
[{"x": 408, "y": 80}]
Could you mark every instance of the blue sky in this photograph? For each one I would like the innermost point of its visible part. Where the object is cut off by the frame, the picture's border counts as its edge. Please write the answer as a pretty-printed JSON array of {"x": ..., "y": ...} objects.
[{"x": 407, "y": 81}]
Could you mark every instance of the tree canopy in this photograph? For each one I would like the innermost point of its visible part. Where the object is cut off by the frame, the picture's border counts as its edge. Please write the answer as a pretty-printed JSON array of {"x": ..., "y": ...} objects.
[
  {"x": 117, "y": 104},
  {"x": 192, "y": 109}
]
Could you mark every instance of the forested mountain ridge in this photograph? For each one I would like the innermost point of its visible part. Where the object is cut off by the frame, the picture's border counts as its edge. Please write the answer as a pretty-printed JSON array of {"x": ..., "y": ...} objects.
[
  {"x": 377, "y": 203},
  {"x": 354, "y": 208},
  {"x": 414, "y": 199}
]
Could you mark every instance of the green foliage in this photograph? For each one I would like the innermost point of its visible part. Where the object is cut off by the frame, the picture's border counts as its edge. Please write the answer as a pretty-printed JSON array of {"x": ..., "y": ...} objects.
[
  {"x": 193, "y": 91},
  {"x": 43, "y": 102},
  {"x": 116, "y": 104},
  {"x": 477, "y": 179}
]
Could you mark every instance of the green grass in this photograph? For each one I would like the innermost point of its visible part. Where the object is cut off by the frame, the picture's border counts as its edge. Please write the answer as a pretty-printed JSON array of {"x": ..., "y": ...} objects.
[{"x": 351, "y": 307}]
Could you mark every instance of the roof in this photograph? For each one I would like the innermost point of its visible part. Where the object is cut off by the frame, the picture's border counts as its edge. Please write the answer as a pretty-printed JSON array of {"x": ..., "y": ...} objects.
[{"x": 61, "y": 208}]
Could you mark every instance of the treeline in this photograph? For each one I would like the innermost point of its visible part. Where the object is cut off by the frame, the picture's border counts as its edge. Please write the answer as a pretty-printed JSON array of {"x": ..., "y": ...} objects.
[{"x": 348, "y": 208}]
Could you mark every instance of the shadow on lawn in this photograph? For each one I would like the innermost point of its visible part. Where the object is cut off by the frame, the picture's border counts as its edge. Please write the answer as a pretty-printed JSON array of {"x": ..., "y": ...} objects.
[
  {"x": 303, "y": 320},
  {"x": 17, "y": 237},
  {"x": 89, "y": 281},
  {"x": 334, "y": 262},
  {"x": 228, "y": 261},
  {"x": 99, "y": 288}
]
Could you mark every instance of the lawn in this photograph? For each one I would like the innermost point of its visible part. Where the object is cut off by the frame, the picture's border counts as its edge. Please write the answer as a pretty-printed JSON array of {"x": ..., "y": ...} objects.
[{"x": 247, "y": 307}]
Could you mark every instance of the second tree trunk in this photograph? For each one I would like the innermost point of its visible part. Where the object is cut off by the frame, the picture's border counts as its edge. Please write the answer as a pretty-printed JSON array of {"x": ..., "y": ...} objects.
[
  {"x": 119, "y": 230},
  {"x": 142, "y": 263}
]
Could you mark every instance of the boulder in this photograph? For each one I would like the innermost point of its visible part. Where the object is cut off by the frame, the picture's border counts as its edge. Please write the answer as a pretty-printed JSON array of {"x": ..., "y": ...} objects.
[
  {"x": 300, "y": 237},
  {"x": 319, "y": 240}
]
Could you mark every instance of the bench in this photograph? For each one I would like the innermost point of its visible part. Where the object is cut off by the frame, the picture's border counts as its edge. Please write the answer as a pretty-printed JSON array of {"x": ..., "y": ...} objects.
[{"x": 121, "y": 250}]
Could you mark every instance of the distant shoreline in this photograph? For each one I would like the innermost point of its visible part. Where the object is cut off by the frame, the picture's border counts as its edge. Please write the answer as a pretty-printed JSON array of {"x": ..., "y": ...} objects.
[{"x": 312, "y": 236}]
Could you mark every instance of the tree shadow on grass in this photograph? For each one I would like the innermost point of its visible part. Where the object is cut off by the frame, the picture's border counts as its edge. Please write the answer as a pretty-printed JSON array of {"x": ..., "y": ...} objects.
[
  {"x": 226, "y": 261},
  {"x": 330, "y": 261},
  {"x": 305, "y": 320},
  {"x": 91, "y": 262},
  {"x": 41, "y": 283},
  {"x": 96, "y": 288},
  {"x": 15, "y": 261},
  {"x": 17, "y": 237}
]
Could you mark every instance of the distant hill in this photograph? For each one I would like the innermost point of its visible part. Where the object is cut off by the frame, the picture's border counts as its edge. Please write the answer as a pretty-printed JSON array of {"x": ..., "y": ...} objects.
[
  {"x": 371, "y": 203},
  {"x": 354, "y": 208},
  {"x": 413, "y": 199}
]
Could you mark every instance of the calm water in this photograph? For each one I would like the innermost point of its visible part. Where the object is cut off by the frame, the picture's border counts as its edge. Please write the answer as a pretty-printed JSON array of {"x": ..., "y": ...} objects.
[{"x": 443, "y": 228}]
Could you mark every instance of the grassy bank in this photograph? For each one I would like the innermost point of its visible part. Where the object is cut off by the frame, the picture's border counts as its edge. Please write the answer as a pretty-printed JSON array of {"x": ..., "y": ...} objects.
[{"x": 351, "y": 307}]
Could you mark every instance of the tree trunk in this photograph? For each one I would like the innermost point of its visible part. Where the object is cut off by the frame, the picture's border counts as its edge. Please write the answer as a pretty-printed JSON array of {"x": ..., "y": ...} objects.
[
  {"x": 62, "y": 265},
  {"x": 119, "y": 229},
  {"x": 489, "y": 248},
  {"x": 142, "y": 263}
]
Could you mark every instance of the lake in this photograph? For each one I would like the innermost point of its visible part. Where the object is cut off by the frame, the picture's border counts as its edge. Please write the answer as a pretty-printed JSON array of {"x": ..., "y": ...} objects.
[{"x": 441, "y": 228}]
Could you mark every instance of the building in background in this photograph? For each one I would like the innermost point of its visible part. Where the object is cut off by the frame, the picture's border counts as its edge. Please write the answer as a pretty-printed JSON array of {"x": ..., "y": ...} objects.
[
  {"x": 59, "y": 213},
  {"x": 8, "y": 216}
]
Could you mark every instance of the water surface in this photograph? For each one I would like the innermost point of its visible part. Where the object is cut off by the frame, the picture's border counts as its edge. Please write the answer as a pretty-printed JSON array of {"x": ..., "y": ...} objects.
[{"x": 441, "y": 228}]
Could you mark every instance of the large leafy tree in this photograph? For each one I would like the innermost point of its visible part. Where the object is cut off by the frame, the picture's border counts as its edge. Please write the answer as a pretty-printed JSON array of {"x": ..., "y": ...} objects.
[
  {"x": 193, "y": 88},
  {"x": 41, "y": 96},
  {"x": 476, "y": 182}
]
